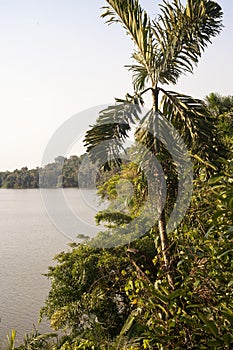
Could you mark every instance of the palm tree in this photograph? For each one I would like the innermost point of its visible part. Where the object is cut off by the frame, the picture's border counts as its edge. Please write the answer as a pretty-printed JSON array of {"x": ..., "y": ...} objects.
[
  {"x": 165, "y": 48},
  {"x": 221, "y": 107},
  {"x": 218, "y": 104}
]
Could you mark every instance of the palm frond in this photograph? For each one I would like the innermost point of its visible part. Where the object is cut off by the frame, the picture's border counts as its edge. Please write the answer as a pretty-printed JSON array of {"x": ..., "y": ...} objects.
[
  {"x": 140, "y": 75},
  {"x": 182, "y": 33},
  {"x": 174, "y": 171},
  {"x": 193, "y": 121},
  {"x": 127, "y": 337},
  {"x": 137, "y": 24},
  {"x": 105, "y": 140}
]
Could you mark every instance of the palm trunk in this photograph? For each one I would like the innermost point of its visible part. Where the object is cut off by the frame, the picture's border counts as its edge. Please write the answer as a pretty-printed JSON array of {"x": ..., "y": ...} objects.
[
  {"x": 165, "y": 248},
  {"x": 162, "y": 219}
]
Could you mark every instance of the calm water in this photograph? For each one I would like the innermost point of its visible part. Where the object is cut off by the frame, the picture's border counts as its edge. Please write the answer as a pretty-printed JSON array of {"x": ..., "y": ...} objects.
[{"x": 28, "y": 242}]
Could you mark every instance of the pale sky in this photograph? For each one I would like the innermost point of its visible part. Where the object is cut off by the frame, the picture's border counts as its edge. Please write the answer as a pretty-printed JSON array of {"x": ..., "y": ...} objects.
[{"x": 59, "y": 58}]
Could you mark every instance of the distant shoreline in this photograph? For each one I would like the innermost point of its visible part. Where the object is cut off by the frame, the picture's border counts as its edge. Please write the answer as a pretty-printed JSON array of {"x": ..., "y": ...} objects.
[{"x": 62, "y": 173}]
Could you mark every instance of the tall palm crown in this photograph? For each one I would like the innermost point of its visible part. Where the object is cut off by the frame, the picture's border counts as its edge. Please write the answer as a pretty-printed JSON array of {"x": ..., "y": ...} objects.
[
  {"x": 165, "y": 49},
  {"x": 172, "y": 44}
]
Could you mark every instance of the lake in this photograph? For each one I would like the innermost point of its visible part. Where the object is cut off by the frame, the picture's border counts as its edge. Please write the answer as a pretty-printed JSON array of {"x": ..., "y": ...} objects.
[{"x": 28, "y": 242}]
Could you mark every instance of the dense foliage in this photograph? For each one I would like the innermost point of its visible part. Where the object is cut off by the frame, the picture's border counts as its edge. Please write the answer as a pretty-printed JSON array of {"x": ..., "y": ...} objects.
[
  {"x": 23, "y": 178},
  {"x": 119, "y": 298}
]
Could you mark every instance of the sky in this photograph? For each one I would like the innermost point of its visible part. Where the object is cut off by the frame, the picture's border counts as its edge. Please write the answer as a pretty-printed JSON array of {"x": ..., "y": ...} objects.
[{"x": 58, "y": 58}]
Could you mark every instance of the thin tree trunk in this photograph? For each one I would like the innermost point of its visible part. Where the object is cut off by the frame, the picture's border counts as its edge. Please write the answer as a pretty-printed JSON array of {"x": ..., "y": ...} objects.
[
  {"x": 165, "y": 248},
  {"x": 162, "y": 219}
]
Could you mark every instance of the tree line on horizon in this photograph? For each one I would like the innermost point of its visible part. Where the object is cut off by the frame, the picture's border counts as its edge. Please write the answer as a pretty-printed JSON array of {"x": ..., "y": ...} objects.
[{"x": 63, "y": 172}]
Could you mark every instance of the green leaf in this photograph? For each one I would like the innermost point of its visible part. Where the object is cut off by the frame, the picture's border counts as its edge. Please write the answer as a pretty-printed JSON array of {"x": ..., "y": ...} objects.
[
  {"x": 210, "y": 324},
  {"x": 228, "y": 314},
  {"x": 227, "y": 338},
  {"x": 175, "y": 294},
  {"x": 160, "y": 296},
  {"x": 215, "y": 179},
  {"x": 225, "y": 253}
]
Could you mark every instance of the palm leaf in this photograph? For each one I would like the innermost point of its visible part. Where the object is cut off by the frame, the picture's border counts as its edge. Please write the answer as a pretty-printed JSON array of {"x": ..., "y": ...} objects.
[
  {"x": 182, "y": 33},
  {"x": 129, "y": 333},
  {"x": 193, "y": 121},
  {"x": 140, "y": 75},
  {"x": 137, "y": 24},
  {"x": 160, "y": 138},
  {"x": 105, "y": 140}
]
